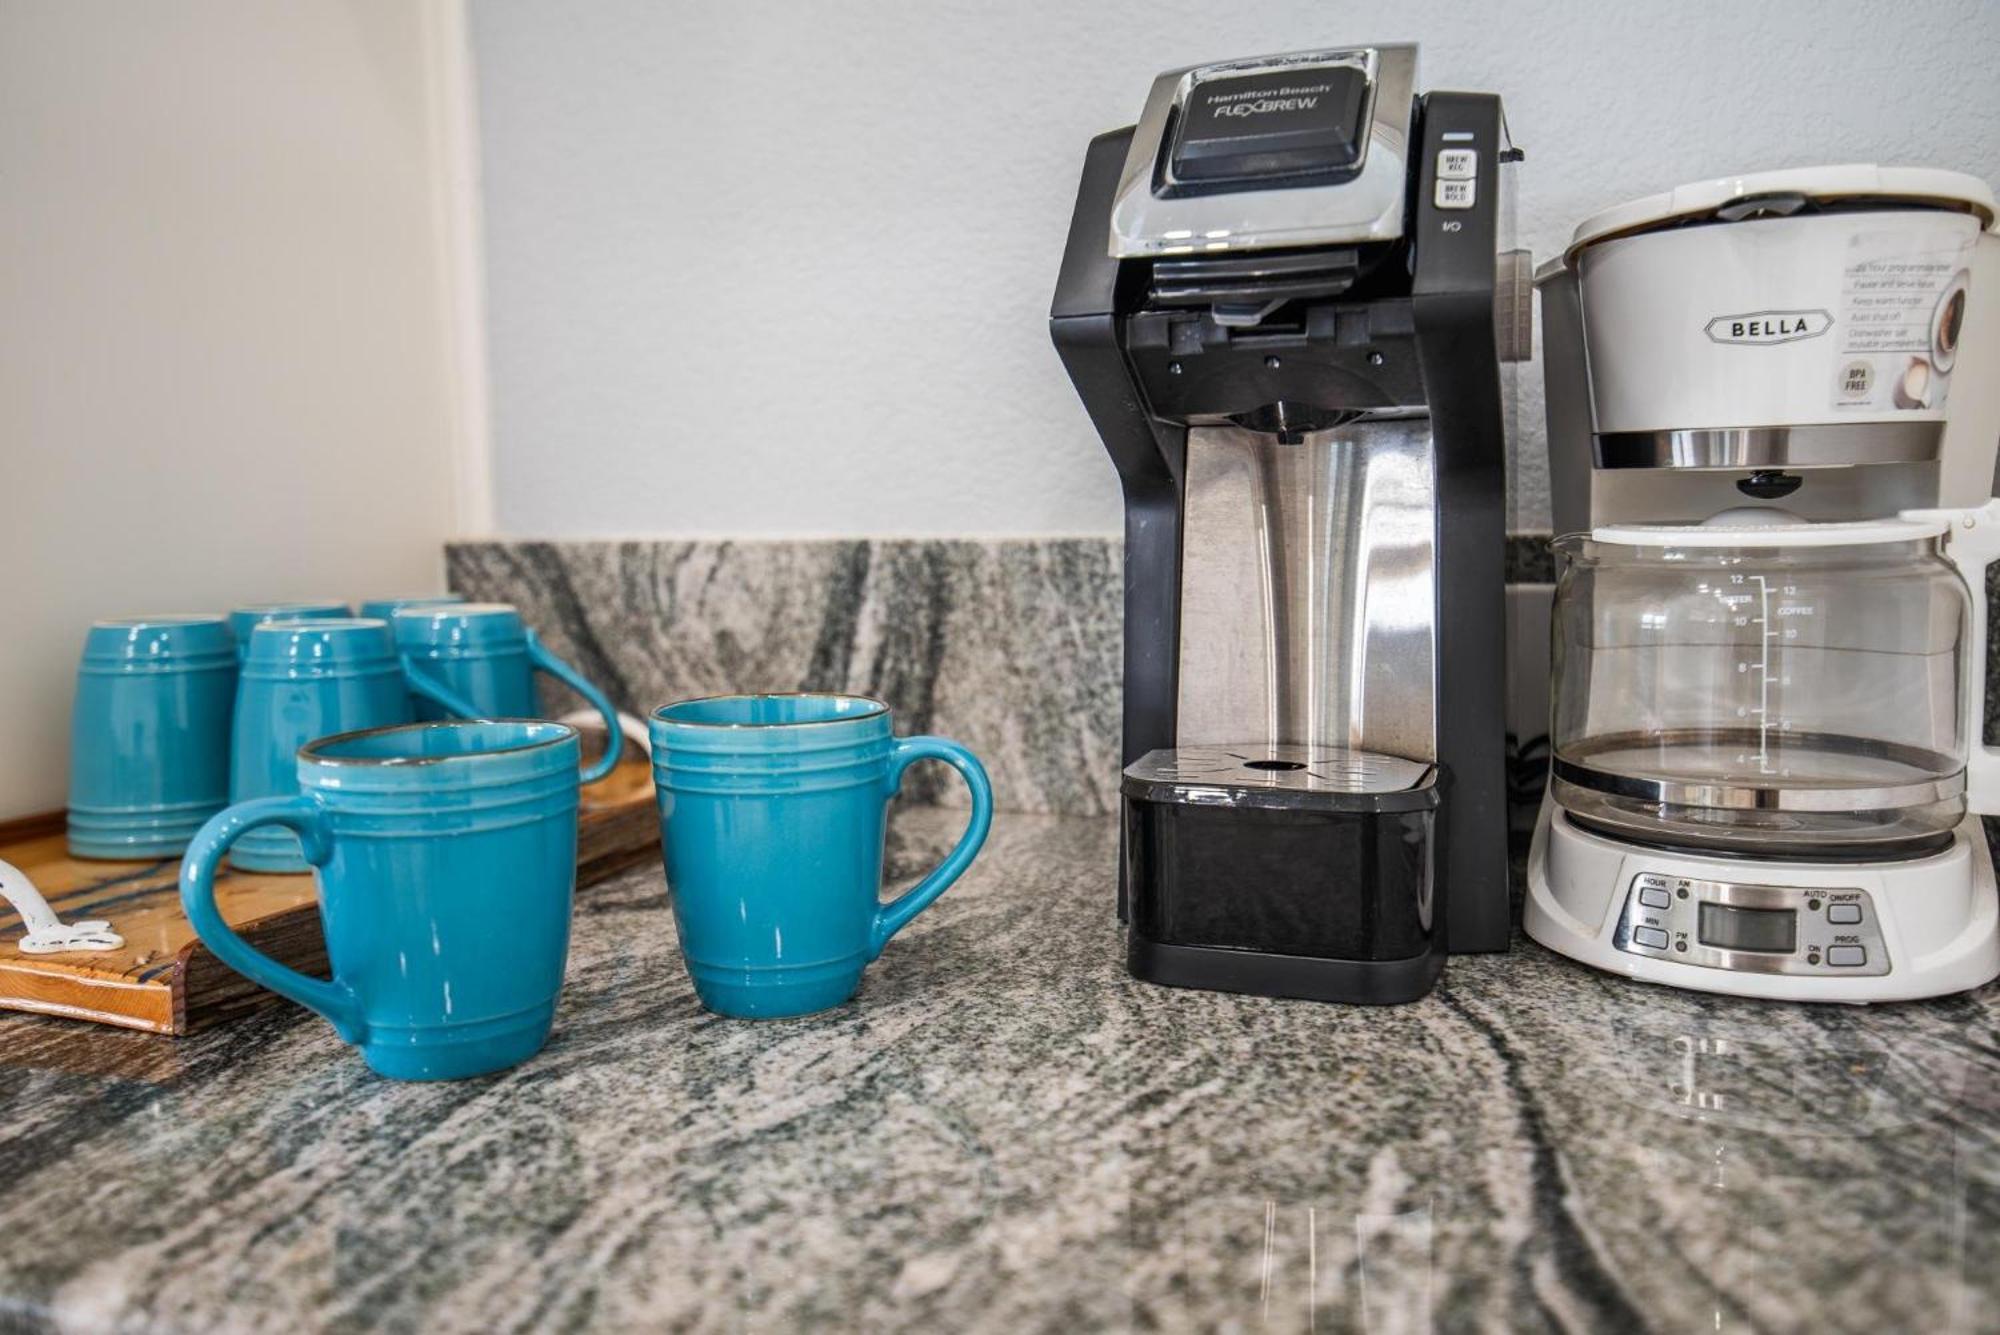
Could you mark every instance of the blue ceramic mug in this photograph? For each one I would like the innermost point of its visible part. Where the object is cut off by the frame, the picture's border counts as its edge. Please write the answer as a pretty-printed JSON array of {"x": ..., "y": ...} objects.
[
  {"x": 485, "y": 654},
  {"x": 388, "y": 607},
  {"x": 149, "y": 735},
  {"x": 773, "y": 810},
  {"x": 304, "y": 680},
  {"x": 446, "y": 860},
  {"x": 245, "y": 620}
]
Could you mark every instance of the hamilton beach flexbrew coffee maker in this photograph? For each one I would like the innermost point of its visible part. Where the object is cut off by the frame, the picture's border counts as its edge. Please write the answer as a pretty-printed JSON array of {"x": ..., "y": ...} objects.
[{"x": 1278, "y": 303}]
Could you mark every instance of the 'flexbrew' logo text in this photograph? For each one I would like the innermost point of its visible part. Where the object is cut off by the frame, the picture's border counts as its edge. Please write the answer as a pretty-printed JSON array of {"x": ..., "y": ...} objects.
[
  {"x": 1267, "y": 104},
  {"x": 1769, "y": 326}
]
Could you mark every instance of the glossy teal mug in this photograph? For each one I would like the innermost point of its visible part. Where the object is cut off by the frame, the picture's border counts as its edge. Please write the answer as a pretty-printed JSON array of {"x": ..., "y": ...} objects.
[
  {"x": 149, "y": 735},
  {"x": 773, "y": 810},
  {"x": 388, "y": 607},
  {"x": 303, "y": 680},
  {"x": 446, "y": 860},
  {"x": 485, "y": 654},
  {"x": 244, "y": 620}
]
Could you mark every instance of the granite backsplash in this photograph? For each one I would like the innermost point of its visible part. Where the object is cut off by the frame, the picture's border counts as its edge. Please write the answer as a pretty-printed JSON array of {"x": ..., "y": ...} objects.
[{"x": 1010, "y": 645}]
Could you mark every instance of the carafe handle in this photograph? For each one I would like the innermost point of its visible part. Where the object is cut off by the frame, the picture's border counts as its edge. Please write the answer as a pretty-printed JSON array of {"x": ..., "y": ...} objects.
[{"x": 1972, "y": 544}]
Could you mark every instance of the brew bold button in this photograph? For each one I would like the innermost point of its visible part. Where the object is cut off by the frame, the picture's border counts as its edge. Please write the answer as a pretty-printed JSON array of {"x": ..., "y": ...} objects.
[
  {"x": 1650, "y": 937},
  {"x": 1843, "y": 914},
  {"x": 1458, "y": 164},
  {"x": 1655, "y": 897},
  {"x": 1846, "y": 957},
  {"x": 1454, "y": 194}
]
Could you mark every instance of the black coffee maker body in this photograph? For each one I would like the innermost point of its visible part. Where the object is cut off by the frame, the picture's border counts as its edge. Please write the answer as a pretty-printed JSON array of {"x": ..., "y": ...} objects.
[{"x": 1284, "y": 303}]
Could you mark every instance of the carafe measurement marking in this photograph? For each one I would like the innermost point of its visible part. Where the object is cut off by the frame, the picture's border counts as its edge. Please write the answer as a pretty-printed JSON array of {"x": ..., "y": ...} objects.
[{"x": 1767, "y": 631}]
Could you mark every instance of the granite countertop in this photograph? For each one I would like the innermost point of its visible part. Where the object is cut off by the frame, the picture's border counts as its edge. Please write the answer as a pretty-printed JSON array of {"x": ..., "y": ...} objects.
[{"x": 1006, "y": 1133}]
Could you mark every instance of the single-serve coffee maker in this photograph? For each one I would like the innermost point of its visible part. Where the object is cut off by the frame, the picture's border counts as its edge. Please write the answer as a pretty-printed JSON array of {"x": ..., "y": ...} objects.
[{"x": 1285, "y": 302}]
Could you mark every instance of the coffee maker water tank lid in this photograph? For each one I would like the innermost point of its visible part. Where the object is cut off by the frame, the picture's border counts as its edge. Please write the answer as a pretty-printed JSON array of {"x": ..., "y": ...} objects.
[
  {"x": 1720, "y": 198},
  {"x": 1766, "y": 526}
]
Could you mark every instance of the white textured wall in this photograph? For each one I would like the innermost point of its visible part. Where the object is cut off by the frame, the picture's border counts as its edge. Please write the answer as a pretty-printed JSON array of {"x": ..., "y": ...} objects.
[
  {"x": 224, "y": 325},
  {"x": 782, "y": 266}
]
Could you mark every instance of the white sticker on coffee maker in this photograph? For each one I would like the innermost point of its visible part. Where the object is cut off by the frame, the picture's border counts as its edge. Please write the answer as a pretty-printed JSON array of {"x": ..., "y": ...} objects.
[{"x": 1902, "y": 309}]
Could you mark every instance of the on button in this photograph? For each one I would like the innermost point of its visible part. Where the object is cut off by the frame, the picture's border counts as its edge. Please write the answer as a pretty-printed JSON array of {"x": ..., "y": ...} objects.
[{"x": 1843, "y": 914}]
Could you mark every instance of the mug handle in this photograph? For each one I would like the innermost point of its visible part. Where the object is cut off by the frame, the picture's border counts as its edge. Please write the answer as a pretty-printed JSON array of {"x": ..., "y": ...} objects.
[
  {"x": 614, "y": 734},
  {"x": 305, "y": 817},
  {"x": 894, "y": 916},
  {"x": 423, "y": 683}
]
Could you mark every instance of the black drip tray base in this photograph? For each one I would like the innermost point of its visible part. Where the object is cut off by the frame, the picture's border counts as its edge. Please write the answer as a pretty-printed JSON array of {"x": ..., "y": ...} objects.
[
  {"x": 1357, "y": 982},
  {"x": 1285, "y": 872}
]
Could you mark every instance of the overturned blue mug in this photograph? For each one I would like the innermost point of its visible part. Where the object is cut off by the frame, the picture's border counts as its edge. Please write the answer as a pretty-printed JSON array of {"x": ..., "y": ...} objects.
[
  {"x": 303, "y": 680},
  {"x": 446, "y": 860},
  {"x": 149, "y": 735},
  {"x": 485, "y": 654},
  {"x": 244, "y": 621},
  {"x": 773, "y": 811}
]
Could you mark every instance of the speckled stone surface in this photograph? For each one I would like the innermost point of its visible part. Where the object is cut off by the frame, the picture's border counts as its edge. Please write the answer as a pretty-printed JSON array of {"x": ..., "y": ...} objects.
[
  {"x": 1006, "y": 1133},
  {"x": 1012, "y": 647}
]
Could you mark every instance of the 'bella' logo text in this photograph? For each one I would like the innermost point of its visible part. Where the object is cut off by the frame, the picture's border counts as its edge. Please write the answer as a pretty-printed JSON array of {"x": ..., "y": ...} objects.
[{"x": 1769, "y": 326}]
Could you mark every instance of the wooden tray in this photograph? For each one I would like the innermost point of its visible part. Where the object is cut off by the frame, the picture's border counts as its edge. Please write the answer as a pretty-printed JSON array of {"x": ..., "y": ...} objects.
[{"x": 164, "y": 979}]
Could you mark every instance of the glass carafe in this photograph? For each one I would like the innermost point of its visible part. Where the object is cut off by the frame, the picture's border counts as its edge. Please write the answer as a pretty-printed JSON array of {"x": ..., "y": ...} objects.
[{"x": 1763, "y": 686}]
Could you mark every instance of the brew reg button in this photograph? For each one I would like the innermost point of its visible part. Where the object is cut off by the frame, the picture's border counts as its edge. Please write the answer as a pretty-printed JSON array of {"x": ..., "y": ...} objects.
[{"x": 1458, "y": 164}]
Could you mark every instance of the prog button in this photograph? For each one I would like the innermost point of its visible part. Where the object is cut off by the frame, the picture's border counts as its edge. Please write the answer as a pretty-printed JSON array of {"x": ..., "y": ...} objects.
[{"x": 1846, "y": 957}]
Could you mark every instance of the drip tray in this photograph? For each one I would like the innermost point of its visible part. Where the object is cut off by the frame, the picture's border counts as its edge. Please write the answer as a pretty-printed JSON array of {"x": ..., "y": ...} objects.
[
  {"x": 1290, "y": 871},
  {"x": 1283, "y": 776}
]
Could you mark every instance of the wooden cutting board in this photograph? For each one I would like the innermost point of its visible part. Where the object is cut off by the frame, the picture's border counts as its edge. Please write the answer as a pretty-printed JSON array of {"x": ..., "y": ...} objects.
[{"x": 163, "y": 979}]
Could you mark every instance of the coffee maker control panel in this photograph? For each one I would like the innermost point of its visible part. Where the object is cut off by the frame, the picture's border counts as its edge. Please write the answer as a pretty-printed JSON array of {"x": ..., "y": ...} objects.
[{"x": 1782, "y": 929}]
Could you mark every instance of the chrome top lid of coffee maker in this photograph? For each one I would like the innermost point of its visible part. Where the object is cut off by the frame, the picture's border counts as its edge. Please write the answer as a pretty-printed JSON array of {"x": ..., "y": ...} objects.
[{"x": 1331, "y": 128}]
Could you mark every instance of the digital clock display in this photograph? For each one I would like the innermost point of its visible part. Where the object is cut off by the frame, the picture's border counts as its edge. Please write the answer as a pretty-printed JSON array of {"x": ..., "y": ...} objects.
[{"x": 1771, "y": 931}]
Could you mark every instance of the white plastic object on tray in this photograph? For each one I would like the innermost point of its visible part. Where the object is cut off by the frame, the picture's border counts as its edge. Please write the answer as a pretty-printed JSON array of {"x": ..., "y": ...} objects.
[{"x": 47, "y": 934}]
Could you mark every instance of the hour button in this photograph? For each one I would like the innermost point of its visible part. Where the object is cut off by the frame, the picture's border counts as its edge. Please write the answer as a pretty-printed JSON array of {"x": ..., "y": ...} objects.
[{"x": 1655, "y": 897}]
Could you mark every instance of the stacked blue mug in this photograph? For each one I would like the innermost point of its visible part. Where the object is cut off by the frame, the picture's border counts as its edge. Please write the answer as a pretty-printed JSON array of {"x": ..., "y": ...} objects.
[{"x": 149, "y": 736}]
